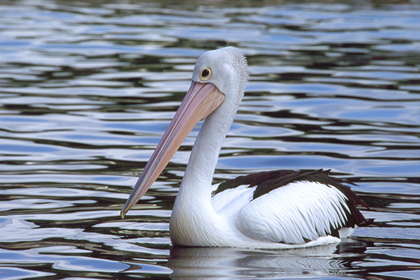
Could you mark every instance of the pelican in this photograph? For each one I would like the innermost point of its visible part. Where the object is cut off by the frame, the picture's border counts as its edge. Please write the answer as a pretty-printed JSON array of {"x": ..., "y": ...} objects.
[{"x": 274, "y": 209}]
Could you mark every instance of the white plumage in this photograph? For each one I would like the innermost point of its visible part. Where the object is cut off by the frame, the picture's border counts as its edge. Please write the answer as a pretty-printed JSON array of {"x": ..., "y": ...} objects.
[
  {"x": 287, "y": 215},
  {"x": 279, "y": 209}
]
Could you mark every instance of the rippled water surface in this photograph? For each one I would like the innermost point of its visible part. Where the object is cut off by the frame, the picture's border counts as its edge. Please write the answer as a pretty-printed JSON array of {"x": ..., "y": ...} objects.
[{"x": 88, "y": 87}]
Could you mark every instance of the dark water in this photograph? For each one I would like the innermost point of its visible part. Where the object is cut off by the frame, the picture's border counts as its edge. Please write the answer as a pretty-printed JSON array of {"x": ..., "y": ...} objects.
[{"x": 88, "y": 87}]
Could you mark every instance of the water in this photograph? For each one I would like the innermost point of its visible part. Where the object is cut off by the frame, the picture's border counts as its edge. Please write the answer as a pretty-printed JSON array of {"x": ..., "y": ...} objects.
[{"x": 88, "y": 87}]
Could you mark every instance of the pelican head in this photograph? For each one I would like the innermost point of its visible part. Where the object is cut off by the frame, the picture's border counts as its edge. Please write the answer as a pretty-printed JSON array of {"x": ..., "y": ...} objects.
[
  {"x": 226, "y": 69},
  {"x": 218, "y": 81}
]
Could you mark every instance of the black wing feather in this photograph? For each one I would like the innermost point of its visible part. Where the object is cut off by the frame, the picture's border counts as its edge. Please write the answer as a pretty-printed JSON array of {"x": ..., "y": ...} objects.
[{"x": 271, "y": 180}]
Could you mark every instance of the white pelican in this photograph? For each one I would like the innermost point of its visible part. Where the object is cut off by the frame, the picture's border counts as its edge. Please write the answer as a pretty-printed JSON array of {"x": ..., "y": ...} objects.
[{"x": 275, "y": 209}]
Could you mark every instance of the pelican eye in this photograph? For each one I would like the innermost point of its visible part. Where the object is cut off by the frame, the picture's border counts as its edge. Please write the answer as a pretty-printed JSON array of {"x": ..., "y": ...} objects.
[{"x": 205, "y": 74}]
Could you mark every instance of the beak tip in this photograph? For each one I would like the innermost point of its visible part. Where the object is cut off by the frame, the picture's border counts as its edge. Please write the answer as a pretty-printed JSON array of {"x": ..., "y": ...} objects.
[{"x": 122, "y": 214}]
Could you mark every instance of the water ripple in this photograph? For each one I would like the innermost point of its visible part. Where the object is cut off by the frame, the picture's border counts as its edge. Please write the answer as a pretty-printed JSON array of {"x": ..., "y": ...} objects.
[{"x": 87, "y": 89}]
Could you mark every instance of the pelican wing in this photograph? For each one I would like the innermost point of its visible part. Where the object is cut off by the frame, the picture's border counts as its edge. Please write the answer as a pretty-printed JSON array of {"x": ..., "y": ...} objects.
[{"x": 292, "y": 207}]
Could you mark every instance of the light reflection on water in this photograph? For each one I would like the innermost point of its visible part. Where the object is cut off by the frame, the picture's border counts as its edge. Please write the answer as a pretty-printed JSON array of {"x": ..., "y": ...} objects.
[{"x": 87, "y": 89}]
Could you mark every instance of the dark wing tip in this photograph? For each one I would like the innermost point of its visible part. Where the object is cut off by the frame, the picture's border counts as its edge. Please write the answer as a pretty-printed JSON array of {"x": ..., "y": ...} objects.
[
  {"x": 252, "y": 180},
  {"x": 271, "y": 180}
]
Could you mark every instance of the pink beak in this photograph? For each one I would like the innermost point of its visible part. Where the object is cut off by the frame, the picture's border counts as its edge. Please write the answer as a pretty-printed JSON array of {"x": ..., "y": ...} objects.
[{"x": 200, "y": 101}]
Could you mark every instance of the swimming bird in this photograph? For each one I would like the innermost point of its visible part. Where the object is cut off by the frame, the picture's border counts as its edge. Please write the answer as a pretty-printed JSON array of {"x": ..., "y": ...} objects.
[{"x": 273, "y": 209}]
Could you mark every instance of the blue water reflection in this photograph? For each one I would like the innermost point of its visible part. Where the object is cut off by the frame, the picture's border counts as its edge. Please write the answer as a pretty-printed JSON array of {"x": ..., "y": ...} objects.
[{"x": 87, "y": 89}]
